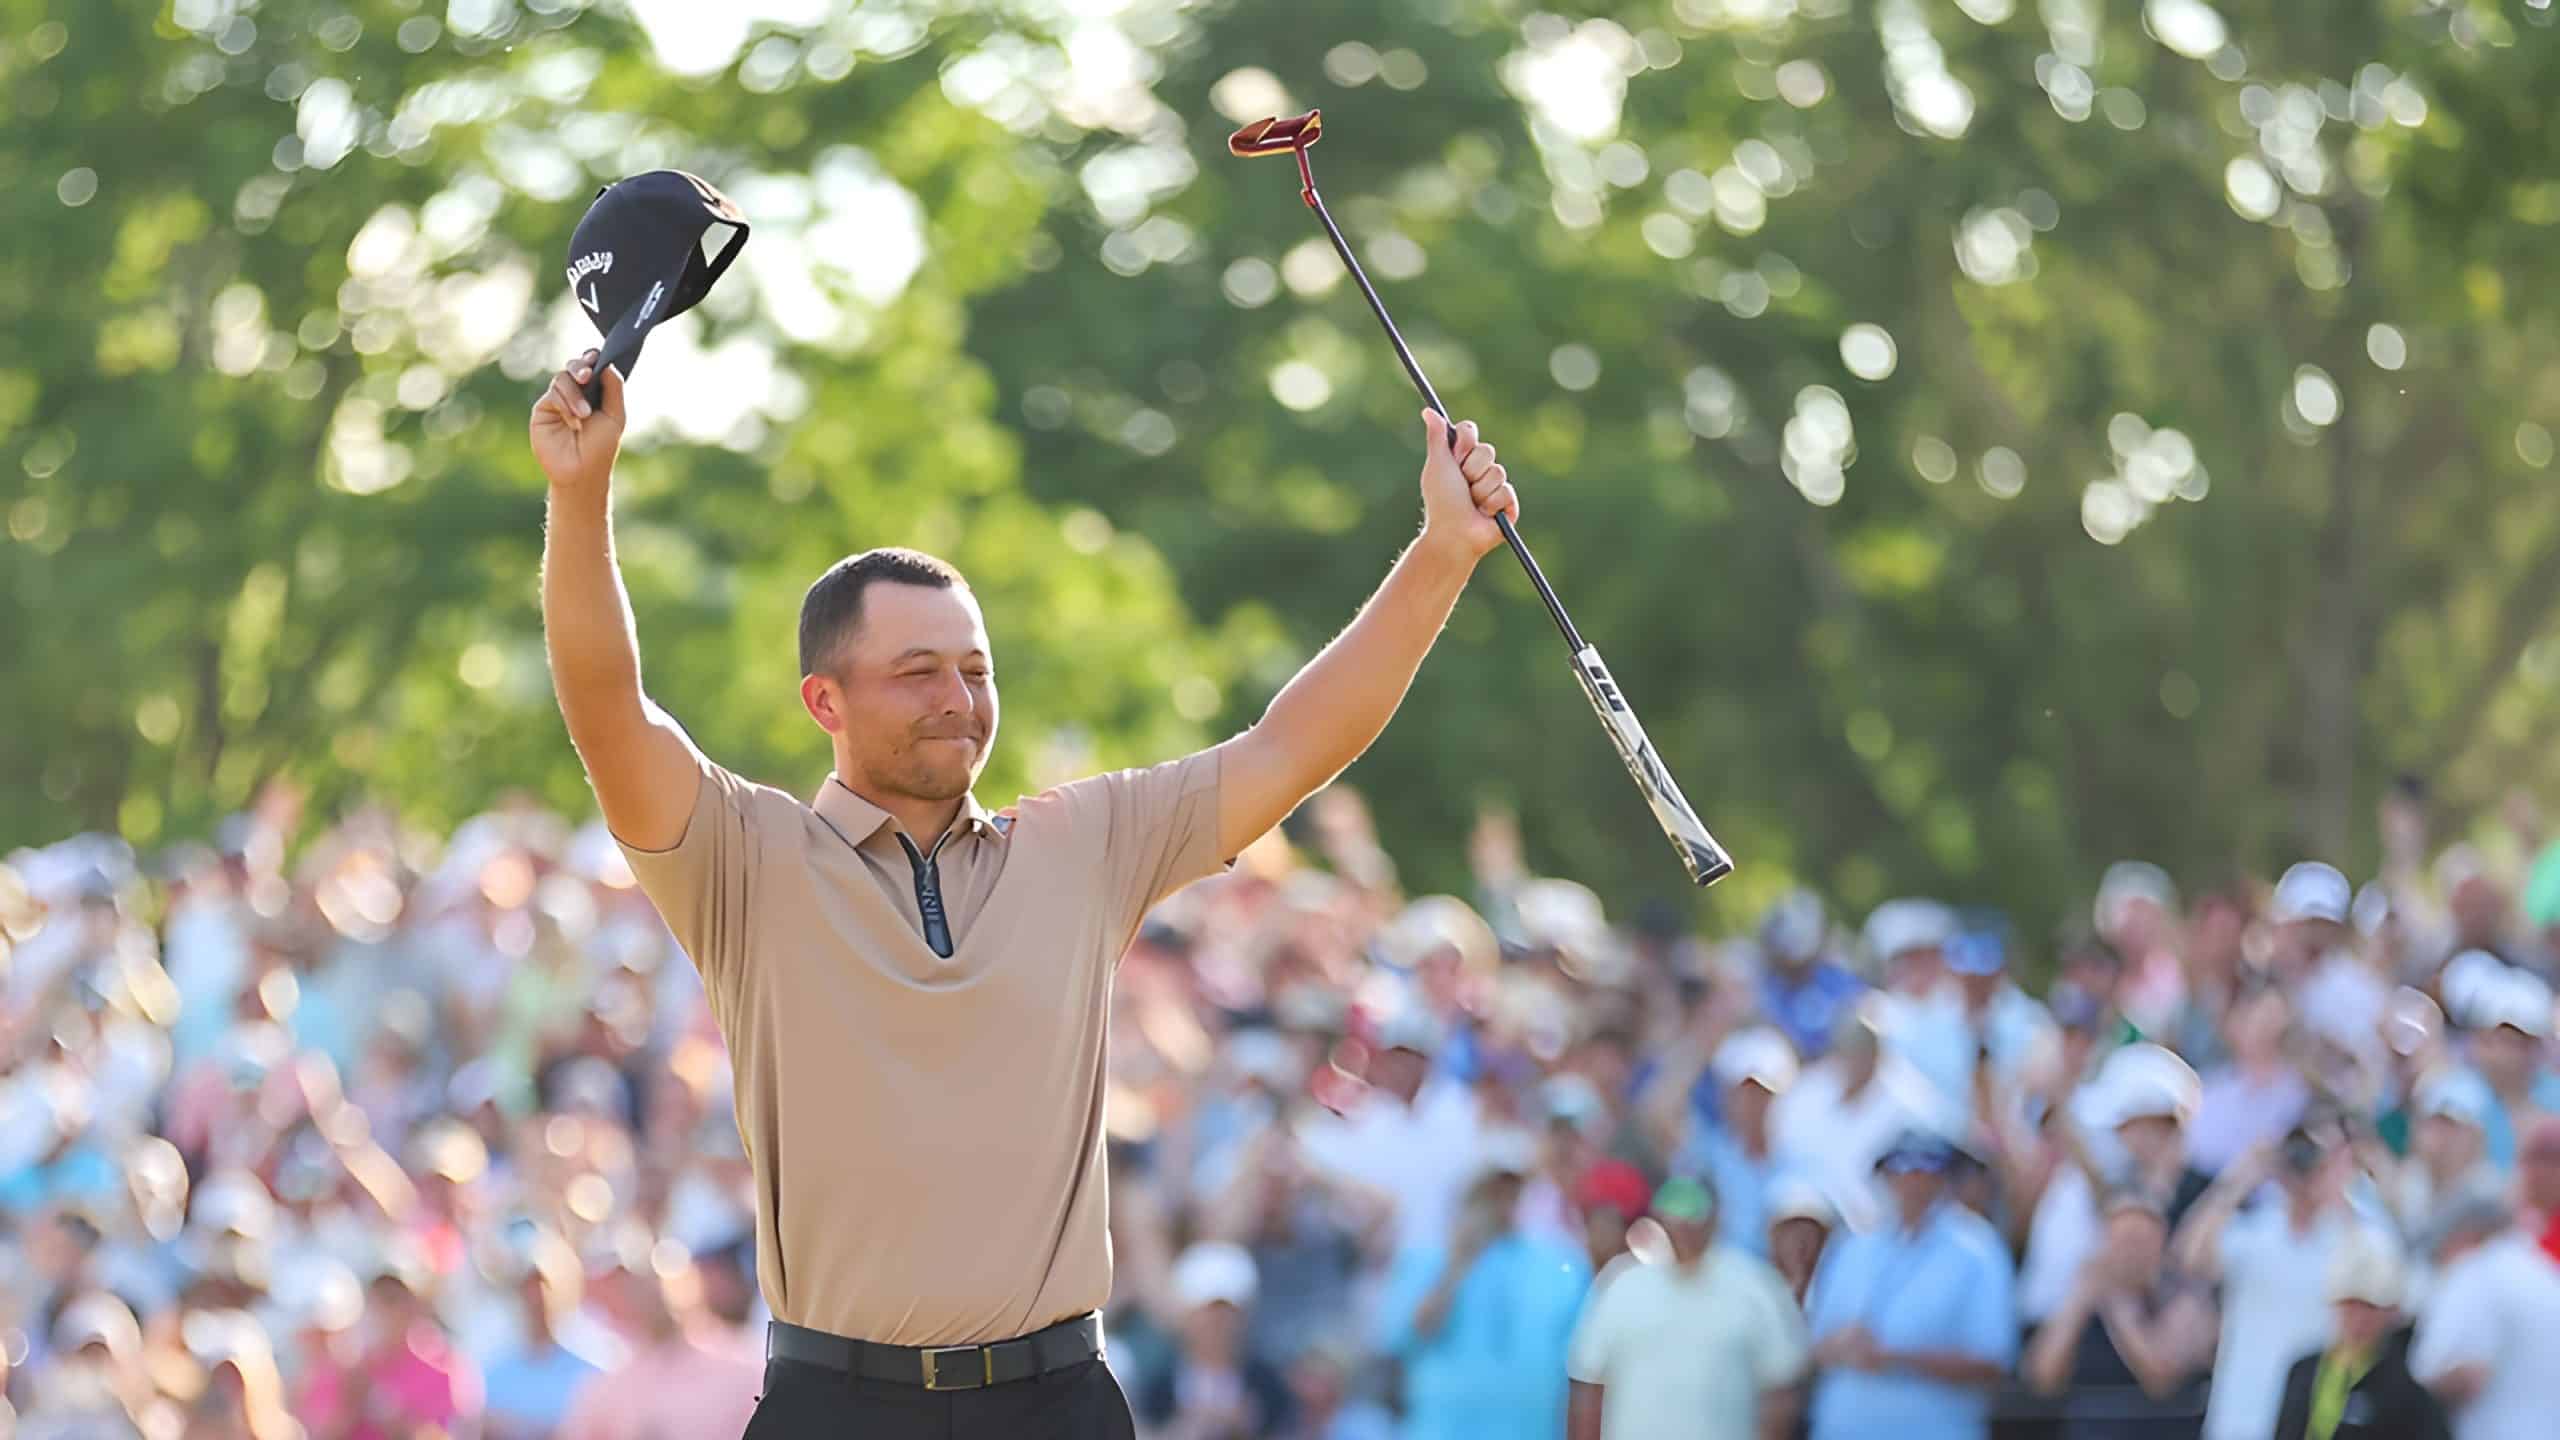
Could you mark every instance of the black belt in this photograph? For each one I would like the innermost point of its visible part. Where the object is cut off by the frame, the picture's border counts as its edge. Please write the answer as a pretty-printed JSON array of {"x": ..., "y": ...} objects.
[{"x": 941, "y": 1367}]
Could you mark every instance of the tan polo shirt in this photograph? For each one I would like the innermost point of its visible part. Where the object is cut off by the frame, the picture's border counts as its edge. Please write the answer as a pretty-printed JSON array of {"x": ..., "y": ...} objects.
[{"x": 926, "y": 1133}]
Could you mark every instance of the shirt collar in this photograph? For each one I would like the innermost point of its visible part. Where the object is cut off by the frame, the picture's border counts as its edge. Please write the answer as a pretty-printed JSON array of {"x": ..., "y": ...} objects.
[{"x": 858, "y": 819}]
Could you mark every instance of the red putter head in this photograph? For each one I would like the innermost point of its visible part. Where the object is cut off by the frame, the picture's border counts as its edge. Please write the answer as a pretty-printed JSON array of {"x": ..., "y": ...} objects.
[{"x": 1280, "y": 135}]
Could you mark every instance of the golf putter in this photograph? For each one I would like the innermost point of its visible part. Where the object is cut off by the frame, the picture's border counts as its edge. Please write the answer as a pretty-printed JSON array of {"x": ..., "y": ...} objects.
[{"x": 1706, "y": 861}]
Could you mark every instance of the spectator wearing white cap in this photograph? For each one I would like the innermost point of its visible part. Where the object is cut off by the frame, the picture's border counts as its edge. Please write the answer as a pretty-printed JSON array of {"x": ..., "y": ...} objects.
[
  {"x": 2123, "y": 1131},
  {"x": 1706, "y": 1345},
  {"x": 1802, "y": 989},
  {"x": 1801, "y": 1219},
  {"x": 2509, "y": 1014},
  {"x": 1214, "y": 1389},
  {"x": 1481, "y": 1317},
  {"x": 2136, "y": 913},
  {"x": 2448, "y": 1159},
  {"x": 2359, "y": 1386},
  {"x": 2340, "y": 996},
  {"x": 94, "y": 1387},
  {"x": 2256, "y": 1096},
  {"x": 1843, "y": 1111},
  {"x": 2488, "y": 1338},
  {"x": 1414, "y": 1134},
  {"x": 1738, "y": 1153}
]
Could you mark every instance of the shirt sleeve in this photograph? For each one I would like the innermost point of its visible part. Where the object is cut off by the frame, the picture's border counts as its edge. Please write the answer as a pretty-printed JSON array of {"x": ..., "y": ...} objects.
[
  {"x": 2458, "y": 1327},
  {"x": 703, "y": 886},
  {"x": 1160, "y": 832},
  {"x": 1587, "y": 1358}
]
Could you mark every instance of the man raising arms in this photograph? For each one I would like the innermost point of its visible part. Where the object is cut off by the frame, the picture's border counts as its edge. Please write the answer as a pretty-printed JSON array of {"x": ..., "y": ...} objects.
[{"x": 913, "y": 990}]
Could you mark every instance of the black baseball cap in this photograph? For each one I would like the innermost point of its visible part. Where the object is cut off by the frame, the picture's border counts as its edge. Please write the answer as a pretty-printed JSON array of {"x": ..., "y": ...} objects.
[{"x": 640, "y": 257}]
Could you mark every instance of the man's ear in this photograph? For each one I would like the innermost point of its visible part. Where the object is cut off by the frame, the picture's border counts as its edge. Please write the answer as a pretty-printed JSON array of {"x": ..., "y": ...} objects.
[{"x": 824, "y": 702}]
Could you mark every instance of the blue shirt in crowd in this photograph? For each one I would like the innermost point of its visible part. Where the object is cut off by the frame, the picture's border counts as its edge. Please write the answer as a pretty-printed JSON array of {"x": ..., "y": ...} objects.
[
  {"x": 1495, "y": 1369},
  {"x": 1808, "y": 1005},
  {"x": 1946, "y": 1286},
  {"x": 529, "y": 1390},
  {"x": 1741, "y": 1185},
  {"x": 2501, "y": 1128}
]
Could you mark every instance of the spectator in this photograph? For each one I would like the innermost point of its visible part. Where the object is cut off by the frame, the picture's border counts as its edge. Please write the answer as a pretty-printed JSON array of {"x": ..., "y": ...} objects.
[
  {"x": 1321, "y": 1405},
  {"x": 408, "y": 1375},
  {"x": 2511, "y": 1020},
  {"x": 687, "y": 1374},
  {"x": 1841, "y": 1113},
  {"x": 2448, "y": 1153},
  {"x": 1705, "y": 1347},
  {"x": 1611, "y": 1198},
  {"x": 237, "y": 1394},
  {"x": 1738, "y": 1154},
  {"x": 2136, "y": 917},
  {"x": 1214, "y": 1390},
  {"x": 2259, "y": 1095},
  {"x": 2274, "y": 1262},
  {"x": 2125, "y": 1131},
  {"x": 1802, "y": 990},
  {"x": 1308, "y": 1236},
  {"x": 1480, "y": 1320},
  {"x": 2129, "y": 1343},
  {"x": 2009, "y": 1029},
  {"x": 1800, "y": 1226},
  {"x": 2340, "y": 995},
  {"x": 1920, "y": 1013},
  {"x": 2488, "y": 1340},
  {"x": 1412, "y": 1134},
  {"x": 1912, "y": 1322},
  {"x": 531, "y": 1383},
  {"x": 2358, "y": 1387},
  {"x": 95, "y": 1388}
]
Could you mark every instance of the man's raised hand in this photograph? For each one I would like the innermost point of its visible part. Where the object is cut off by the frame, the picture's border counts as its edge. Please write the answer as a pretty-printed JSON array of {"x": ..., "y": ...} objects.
[{"x": 576, "y": 442}]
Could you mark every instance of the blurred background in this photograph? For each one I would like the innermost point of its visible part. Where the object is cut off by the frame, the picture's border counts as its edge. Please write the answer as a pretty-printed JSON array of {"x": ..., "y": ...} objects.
[{"x": 1990, "y": 438}]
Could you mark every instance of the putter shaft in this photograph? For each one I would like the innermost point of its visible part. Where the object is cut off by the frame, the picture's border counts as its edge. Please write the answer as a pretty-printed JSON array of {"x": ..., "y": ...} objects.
[{"x": 1431, "y": 397}]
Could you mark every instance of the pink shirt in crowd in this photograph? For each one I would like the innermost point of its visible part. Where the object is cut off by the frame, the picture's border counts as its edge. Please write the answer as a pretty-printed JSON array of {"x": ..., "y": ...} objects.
[
  {"x": 673, "y": 1391},
  {"x": 424, "y": 1382}
]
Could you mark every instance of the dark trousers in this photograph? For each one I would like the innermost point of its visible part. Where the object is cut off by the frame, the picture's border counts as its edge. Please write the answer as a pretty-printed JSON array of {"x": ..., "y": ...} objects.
[{"x": 807, "y": 1402}]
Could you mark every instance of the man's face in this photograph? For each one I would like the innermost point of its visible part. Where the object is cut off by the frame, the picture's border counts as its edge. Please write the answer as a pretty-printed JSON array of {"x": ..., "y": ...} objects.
[
  {"x": 2150, "y": 1139},
  {"x": 2450, "y": 1143},
  {"x": 2538, "y": 1170},
  {"x": 1747, "y": 1104},
  {"x": 2362, "y": 1326},
  {"x": 1914, "y": 1191},
  {"x": 2505, "y": 1055},
  {"x": 1795, "y": 1245},
  {"x": 913, "y": 694}
]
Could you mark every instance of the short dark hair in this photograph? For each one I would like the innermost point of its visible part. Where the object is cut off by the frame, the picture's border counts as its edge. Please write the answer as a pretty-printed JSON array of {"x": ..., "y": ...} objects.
[{"x": 833, "y": 606}]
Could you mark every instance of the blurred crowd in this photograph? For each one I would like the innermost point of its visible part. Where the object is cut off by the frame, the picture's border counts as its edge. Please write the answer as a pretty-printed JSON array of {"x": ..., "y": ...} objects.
[{"x": 345, "y": 1131}]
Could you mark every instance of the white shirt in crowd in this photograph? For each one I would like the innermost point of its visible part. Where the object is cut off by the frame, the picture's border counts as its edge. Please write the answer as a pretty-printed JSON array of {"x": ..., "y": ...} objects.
[
  {"x": 1425, "y": 1155},
  {"x": 2498, "y": 1306},
  {"x": 1834, "y": 1140},
  {"x": 1683, "y": 1354},
  {"x": 2275, "y": 1310}
]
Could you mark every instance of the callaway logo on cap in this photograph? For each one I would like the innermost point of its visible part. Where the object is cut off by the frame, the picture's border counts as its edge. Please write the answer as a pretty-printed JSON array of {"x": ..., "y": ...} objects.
[{"x": 642, "y": 255}]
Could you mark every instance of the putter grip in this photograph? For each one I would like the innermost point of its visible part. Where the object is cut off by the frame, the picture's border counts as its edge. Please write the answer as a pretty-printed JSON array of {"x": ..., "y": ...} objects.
[{"x": 1706, "y": 860}]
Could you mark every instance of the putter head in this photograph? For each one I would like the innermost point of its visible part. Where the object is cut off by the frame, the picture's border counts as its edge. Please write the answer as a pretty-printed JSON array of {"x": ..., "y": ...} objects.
[{"x": 1280, "y": 135}]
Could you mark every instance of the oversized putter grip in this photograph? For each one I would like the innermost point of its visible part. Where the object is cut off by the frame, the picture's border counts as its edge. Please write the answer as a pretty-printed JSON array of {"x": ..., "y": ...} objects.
[{"x": 1706, "y": 860}]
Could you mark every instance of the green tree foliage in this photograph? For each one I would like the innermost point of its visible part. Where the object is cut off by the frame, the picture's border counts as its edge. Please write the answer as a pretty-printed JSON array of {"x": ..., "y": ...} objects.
[{"x": 1988, "y": 438}]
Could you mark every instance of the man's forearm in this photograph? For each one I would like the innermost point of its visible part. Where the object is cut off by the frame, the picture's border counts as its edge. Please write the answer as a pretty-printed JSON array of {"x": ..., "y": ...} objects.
[
  {"x": 1949, "y": 1367},
  {"x": 1583, "y": 1411},
  {"x": 587, "y": 629}
]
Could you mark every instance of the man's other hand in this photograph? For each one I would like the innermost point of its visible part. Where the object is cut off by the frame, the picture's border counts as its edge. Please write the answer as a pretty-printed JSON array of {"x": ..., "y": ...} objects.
[
  {"x": 1463, "y": 488},
  {"x": 574, "y": 441}
]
